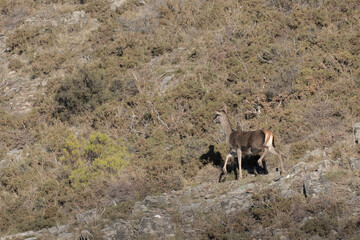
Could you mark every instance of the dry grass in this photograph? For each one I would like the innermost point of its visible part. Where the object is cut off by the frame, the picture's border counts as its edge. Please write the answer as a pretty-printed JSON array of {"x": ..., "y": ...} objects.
[{"x": 296, "y": 62}]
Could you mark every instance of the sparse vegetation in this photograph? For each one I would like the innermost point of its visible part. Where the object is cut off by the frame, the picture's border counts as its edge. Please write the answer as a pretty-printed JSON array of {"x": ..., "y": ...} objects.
[
  {"x": 126, "y": 96},
  {"x": 294, "y": 216}
]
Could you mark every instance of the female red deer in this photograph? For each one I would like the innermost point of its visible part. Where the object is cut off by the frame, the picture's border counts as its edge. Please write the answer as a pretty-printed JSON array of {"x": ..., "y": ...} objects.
[{"x": 247, "y": 142}]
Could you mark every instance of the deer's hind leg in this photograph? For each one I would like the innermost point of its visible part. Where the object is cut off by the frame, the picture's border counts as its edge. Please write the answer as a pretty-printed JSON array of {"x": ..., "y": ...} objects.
[
  {"x": 266, "y": 150},
  {"x": 277, "y": 153}
]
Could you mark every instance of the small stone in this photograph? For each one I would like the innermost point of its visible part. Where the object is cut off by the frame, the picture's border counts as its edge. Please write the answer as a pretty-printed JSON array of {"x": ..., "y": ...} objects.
[
  {"x": 277, "y": 178},
  {"x": 65, "y": 236},
  {"x": 86, "y": 235},
  {"x": 354, "y": 163},
  {"x": 207, "y": 196},
  {"x": 333, "y": 233},
  {"x": 356, "y": 128},
  {"x": 15, "y": 154},
  {"x": 150, "y": 201},
  {"x": 57, "y": 229},
  {"x": 88, "y": 216},
  {"x": 116, "y": 4},
  {"x": 195, "y": 205},
  {"x": 165, "y": 82},
  {"x": 3, "y": 164}
]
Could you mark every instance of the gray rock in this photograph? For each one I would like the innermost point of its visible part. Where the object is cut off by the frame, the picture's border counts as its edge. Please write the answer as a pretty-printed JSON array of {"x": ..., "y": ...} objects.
[
  {"x": 208, "y": 196},
  {"x": 66, "y": 236},
  {"x": 334, "y": 234},
  {"x": 58, "y": 229},
  {"x": 316, "y": 153},
  {"x": 166, "y": 82},
  {"x": 257, "y": 229},
  {"x": 150, "y": 201},
  {"x": 157, "y": 225},
  {"x": 3, "y": 164},
  {"x": 343, "y": 163},
  {"x": 88, "y": 216},
  {"x": 296, "y": 169},
  {"x": 234, "y": 204},
  {"x": 77, "y": 17},
  {"x": 195, "y": 206},
  {"x": 315, "y": 237},
  {"x": 119, "y": 229},
  {"x": 139, "y": 209},
  {"x": 315, "y": 183},
  {"x": 116, "y": 4},
  {"x": 356, "y": 128},
  {"x": 280, "y": 233},
  {"x": 86, "y": 235},
  {"x": 15, "y": 154},
  {"x": 324, "y": 166},
  {"x": 354, "y": 163}
]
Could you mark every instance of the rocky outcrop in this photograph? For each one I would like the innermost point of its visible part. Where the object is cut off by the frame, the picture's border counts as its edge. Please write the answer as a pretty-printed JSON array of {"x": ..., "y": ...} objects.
[
  {"x": 59, "y": 232},
  {"x": 162, "y": 217}
]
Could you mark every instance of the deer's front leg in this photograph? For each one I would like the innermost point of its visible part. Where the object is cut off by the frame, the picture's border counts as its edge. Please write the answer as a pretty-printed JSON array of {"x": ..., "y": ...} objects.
[
  {"x": 226, "y": 160},
  {"x": 239, "y": 162}
]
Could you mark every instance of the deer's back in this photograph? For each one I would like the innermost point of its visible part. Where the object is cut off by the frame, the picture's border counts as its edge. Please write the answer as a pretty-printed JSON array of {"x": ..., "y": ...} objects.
[{"x": 247, "y": 140}]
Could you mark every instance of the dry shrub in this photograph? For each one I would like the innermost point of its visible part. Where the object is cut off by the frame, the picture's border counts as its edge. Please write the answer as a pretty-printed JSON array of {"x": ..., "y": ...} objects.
[
  {"x": 324, "y": 115},
  {"x": 15, "y": 64},
  {"x": 299, "y": 149},
  {"x": 300, "y": 217},
  {"x": 82, "y": 92},
  {"x": 269, "y": 205},
  {"x": 162, "y": 176},
  {"x": 128, "y": 186},
  {"x": 295, "y": 60}
]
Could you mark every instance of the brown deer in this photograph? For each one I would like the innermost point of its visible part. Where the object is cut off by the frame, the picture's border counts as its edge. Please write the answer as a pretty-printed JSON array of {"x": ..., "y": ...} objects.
[{"x": 247, "y": 142}]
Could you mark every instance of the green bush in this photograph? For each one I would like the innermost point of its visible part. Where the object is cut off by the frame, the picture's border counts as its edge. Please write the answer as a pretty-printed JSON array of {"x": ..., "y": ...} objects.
[
  {"x": 86, "y": 160},
  {"x": 106, "y": 154}
]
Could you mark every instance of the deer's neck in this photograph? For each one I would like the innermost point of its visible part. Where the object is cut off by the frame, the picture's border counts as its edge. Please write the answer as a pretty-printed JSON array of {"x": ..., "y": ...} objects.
[{"x": 226, "y": 126}]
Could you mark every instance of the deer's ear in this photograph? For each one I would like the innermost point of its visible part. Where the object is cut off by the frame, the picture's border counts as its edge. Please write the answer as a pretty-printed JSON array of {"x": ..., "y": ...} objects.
[{"x": 224, "y": 108}]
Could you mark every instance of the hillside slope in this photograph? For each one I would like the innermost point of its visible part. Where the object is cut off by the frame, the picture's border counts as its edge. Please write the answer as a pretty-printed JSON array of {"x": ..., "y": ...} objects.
[
  {"x": 316, "y": 200},
  {"x": 105, "y": 102}
]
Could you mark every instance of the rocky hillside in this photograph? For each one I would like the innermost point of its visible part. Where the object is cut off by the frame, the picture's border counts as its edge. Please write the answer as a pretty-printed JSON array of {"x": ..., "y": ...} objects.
[
  {"x": 107, "y": 107},
  {"x": 318, "y": 200}
]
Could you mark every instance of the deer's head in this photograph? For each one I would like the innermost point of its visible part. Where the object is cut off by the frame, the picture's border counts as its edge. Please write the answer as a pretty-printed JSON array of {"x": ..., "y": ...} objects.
[{"x": 219, "y": 116}]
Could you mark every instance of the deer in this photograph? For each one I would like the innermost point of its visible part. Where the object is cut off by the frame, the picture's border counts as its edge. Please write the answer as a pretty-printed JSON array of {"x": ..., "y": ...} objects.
[{"x": 247, "y": 142}]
